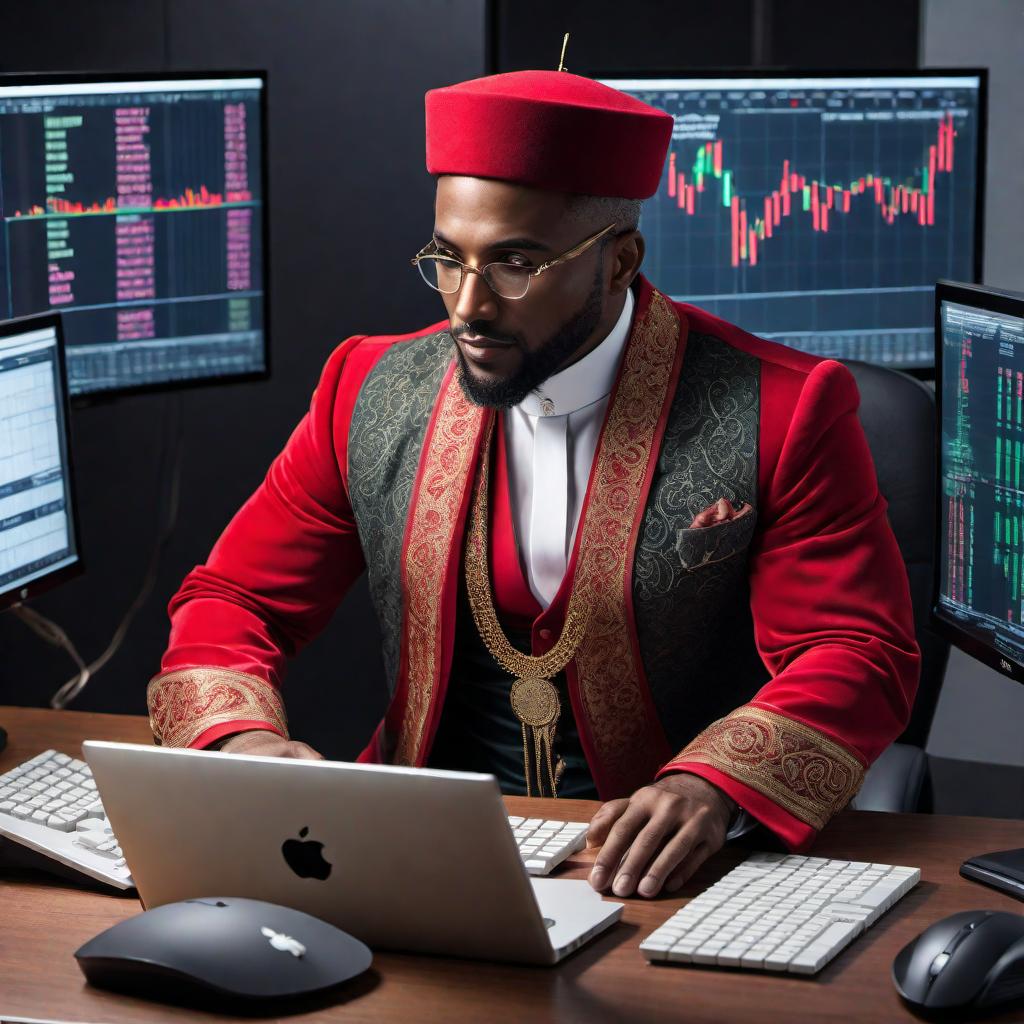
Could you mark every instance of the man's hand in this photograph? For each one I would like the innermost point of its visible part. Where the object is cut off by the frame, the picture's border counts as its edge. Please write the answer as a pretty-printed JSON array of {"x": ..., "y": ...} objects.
[
  {"x": 269, "y": 744},
  {"x": 661, "y": 835}
]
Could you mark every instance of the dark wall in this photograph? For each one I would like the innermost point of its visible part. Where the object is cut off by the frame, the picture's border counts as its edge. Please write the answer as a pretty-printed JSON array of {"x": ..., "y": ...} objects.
[
  {"x": 346, "y": 84},
  {"x": 607, "y": 35}
]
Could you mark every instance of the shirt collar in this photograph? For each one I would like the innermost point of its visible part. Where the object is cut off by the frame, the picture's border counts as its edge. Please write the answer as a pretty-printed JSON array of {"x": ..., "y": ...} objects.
[{"x": 588, "y": 379}]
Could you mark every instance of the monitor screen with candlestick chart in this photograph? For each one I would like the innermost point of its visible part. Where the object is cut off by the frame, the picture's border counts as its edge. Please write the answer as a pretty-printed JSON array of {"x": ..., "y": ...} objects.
[{"x": 819, "y": 210}]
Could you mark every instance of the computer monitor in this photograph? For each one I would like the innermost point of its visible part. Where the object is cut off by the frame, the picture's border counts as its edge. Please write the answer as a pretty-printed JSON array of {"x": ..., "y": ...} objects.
[
  {"x": 38, "y": 527},
  {"x": 979, "y": 559},
  {"x": 978, "y": 596},
  {"x": 136, "y": 207},
  {"x": 818, "y": 210}
]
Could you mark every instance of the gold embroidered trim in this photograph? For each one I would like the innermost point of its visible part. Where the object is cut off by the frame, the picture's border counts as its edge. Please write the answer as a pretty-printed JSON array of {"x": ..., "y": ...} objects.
[
  {"x": 610, "y": 684},
  {"x": 435, "y": 512},
  {"x": 798, "y": 767},
  {"x": 612, "y": 692},
  {"x": 184, "y": 703}
]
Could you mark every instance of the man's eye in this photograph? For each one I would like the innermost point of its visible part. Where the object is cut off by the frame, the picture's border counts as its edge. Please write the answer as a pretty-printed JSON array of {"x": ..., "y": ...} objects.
[{"x": 514, "y": 260}]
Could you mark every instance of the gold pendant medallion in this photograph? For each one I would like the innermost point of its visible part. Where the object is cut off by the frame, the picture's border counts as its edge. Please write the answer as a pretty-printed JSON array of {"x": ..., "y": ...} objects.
[{"x": 535, "y": 702}]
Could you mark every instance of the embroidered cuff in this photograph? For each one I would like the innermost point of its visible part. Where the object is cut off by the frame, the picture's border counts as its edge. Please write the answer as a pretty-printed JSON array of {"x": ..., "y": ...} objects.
[
  {"x": 799, "y": 768},
  {"x": 186, "y": 702}
]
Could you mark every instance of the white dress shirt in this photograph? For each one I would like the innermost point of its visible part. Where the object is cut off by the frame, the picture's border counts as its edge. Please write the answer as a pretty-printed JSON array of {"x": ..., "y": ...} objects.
[{"x": 551, "y": 438}]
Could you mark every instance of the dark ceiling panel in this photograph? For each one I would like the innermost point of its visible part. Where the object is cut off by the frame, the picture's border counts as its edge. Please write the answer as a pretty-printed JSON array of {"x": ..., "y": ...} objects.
[
  {"x": 609, "y": 36},
  {"x": 867, "y": 34}
]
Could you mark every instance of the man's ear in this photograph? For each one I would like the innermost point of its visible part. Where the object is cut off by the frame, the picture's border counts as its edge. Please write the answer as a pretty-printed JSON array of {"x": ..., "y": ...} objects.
[{"x": 628, "y": 256}]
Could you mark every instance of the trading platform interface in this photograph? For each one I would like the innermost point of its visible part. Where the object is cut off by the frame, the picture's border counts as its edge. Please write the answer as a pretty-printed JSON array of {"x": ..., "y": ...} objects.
[
  {"x": 818, "y": 212},
  {"x": 981, "y": 568},
  {"x": 135, "y": 209},
  {"x": 36, "y": 529}
]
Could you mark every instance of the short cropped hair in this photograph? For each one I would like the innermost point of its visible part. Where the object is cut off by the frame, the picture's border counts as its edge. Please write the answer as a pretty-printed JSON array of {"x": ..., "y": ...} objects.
[{"x": 597, "y": 211}]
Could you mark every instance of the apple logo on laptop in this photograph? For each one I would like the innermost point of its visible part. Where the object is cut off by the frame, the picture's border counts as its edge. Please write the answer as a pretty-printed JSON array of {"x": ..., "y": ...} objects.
[{"x": 305, "y": 856}]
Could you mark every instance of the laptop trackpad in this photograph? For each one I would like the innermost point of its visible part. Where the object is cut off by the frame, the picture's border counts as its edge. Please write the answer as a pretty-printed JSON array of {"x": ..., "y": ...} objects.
[{"x": 572, "y": 910}]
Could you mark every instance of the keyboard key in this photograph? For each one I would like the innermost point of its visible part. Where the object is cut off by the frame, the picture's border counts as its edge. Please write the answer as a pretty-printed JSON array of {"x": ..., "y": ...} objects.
[
  {"x": 830, "y": 942},
  {"x": 90, "y": 840},
  {"x": 543, "y": 845}
]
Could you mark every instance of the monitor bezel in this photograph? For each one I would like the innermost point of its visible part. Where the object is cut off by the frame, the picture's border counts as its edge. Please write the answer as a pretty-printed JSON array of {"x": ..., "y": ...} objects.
[
  {"x": 16, "y": 595},
  {"x": 995, "y": 301},
  {"x": 88, "y": 398},
  {"x": 924, "y": 73}
]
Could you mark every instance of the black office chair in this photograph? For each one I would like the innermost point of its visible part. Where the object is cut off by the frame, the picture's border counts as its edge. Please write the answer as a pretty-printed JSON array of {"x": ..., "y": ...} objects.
[{"x": 898, "y": 415}]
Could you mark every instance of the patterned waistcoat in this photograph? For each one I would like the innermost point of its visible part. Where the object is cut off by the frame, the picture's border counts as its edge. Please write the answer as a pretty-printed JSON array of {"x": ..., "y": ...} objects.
[{"x": 689, "y": 588}]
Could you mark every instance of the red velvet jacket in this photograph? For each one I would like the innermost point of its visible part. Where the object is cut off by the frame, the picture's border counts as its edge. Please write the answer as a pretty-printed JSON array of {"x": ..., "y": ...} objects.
[{"x": 829, "y": 596}]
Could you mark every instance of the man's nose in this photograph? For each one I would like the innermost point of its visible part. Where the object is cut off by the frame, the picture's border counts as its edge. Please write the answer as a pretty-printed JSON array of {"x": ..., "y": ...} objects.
[{"x": 475, "y": 300}]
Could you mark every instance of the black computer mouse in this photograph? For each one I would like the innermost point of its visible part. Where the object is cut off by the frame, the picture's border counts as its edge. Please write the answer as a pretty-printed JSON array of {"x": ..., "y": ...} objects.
[
  {"x": 222, "y": 949},
  {"x": 970, "y": 960}
]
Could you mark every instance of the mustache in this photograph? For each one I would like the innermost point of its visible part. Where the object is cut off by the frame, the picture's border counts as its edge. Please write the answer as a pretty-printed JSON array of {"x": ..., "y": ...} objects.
[{"x": 488, "y": 335}]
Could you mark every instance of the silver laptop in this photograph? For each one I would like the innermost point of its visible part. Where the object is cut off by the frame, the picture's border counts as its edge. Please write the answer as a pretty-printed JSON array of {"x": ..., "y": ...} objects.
[{"x": 403, "y": 858}]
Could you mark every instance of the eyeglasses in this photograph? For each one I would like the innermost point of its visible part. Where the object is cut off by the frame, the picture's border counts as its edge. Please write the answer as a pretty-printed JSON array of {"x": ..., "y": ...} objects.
[{"x": 445, "y": 274}]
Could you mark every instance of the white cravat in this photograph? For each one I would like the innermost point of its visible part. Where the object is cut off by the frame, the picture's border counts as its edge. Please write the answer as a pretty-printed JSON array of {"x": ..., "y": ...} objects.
[{"x": 552, "y": 436}]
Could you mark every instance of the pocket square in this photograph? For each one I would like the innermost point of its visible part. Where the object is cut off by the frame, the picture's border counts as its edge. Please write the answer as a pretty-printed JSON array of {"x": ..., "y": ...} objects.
[
  {"x": 718, "y": 533},
  {"x": 722, "y": 511}
]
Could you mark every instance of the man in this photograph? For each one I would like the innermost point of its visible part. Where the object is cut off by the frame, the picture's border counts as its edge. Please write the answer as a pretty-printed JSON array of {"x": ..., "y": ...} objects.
[{"x": 618, "y": 547}]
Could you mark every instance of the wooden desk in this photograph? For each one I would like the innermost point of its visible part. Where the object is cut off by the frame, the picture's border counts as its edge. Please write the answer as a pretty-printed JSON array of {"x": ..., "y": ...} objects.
[{"x": 43, "y": 921}]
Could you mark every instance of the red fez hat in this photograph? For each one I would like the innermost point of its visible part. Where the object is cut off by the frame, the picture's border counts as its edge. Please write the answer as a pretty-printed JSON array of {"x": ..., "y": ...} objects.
[{"x": 548, "y": 129}]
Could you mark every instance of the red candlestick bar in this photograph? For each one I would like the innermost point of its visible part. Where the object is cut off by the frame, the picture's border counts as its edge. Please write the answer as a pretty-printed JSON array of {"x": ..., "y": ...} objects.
[{"x": 734, "y": 214}]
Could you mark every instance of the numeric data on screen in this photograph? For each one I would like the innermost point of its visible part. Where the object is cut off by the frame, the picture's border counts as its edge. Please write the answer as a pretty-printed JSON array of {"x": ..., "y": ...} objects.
[
  {"x": 134, "y": 209},
  {"x": 35, "y": 524},
  {"x": 981, "y": 571},
  {"x": 817, "y": 212}
]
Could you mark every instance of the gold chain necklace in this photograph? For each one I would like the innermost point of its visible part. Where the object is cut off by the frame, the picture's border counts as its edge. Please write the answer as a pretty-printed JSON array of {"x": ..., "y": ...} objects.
[{"x": 533, "y": 696}]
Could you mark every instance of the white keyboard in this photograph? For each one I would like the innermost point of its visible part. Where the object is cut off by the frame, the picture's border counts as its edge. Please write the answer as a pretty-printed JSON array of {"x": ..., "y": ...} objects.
[
  {"x": 49, "y": 804},
  {"x": 543, "y": 845},
  {"x": 778, "y": 912}
]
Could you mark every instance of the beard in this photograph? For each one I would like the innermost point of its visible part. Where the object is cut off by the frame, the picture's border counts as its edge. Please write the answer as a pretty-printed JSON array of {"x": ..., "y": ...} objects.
[{"x": 535, "y": 366}]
